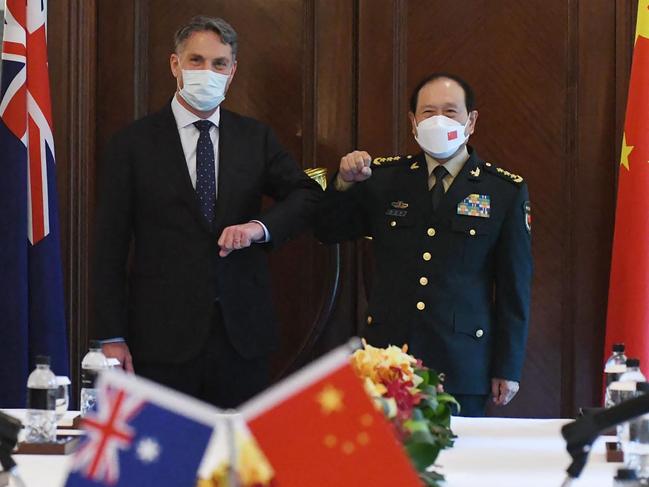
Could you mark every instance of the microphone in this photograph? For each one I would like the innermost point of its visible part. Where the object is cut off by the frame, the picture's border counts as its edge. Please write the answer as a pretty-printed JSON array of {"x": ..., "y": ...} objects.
[
  {"x": 581, "y": 433},
  {"x": 9, "y": 429}
]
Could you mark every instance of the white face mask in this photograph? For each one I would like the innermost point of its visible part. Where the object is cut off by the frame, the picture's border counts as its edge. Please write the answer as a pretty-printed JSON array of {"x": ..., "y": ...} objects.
[
  {"x": 440, "y": 136},
  {"x": 203, "y": 89}
]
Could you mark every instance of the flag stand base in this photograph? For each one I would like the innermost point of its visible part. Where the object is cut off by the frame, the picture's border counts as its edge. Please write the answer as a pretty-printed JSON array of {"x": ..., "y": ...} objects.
[
  {"x": 64, "y": 445},
  {"x": 614, "y": 453}
]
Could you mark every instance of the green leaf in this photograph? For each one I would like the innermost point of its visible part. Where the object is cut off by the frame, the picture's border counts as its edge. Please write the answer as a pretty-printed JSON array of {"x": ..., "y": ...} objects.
[
  {"x": 431, "y": 479},
  {"x": 422, "y": 436},
  {"x": 422, "y": 455},
  {"x": 425, "y": 375}
]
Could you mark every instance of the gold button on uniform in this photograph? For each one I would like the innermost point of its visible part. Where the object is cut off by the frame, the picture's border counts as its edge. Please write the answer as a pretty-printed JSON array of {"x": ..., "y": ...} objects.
[
  {"x": 369, "y": 320},
  {"x": 427, "y": 256},
  {"x": 472, "y": 232},
  {"x": 423, "y": 281},
  {"x": 431, "y": 232},
  {"x": 421, "y": 305},
  {"x": 479, "y": 333},
  {"x": 393, "y": 223}
]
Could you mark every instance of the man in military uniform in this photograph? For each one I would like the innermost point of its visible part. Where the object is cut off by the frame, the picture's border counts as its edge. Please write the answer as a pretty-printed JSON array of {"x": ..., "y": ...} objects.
[{"x": 451, "y": 237}]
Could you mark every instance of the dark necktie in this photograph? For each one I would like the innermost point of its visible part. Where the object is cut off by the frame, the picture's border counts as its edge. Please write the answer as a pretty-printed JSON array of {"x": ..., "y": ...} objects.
[
  {"x": 440, "y": 173},
  {"x": 205, "y": 177}
]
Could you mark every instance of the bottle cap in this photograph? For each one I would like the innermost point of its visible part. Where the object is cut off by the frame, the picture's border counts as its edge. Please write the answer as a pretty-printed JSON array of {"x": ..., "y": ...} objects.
[
  {"x": 95, "y": 344},
  {"x": 633, "y": 362},
  {"x": 626, "y": 474},
  {"x": 642, "y": 387},
  {"x": 618, "y": 347},
  {"x": 42, "y": 360}
]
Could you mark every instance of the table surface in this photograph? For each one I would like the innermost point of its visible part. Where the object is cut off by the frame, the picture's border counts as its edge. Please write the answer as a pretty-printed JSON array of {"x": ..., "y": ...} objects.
[
  {"x": 499, "y": 452},
  {"x": 507, "y": 452}
]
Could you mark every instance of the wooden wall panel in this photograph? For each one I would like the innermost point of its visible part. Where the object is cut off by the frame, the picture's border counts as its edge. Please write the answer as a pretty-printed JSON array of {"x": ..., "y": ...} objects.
[
  {"x": 72, "y": 61},
  {"x": 334, "y": 75}
]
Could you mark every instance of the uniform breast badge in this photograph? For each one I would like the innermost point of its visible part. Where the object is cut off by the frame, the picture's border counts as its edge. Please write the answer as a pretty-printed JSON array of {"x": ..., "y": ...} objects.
[
  {"x": 475, "y": 205},
  {"x": 399, "y": 209}
]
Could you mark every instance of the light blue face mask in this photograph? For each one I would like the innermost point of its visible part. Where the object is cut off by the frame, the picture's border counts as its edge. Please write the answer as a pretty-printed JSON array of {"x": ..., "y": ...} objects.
[{"x": 203, "y": 89}]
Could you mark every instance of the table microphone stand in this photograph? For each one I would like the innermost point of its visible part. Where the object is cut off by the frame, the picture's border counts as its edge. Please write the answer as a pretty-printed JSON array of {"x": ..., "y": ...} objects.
[
  {"x": 581, "y": 433},
  {"x": 9, "y": 429}
]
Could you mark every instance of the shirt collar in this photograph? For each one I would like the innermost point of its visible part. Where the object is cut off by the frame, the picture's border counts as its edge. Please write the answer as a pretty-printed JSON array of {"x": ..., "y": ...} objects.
[
  {"x": 453, "y": 165},
  {"x": 185, "y": 118}
]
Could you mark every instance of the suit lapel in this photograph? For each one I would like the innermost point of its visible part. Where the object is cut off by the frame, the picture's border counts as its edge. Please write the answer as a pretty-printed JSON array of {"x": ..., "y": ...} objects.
[
  {"x": 227, "y": 151},
  {"x": 173, "y": 159}
]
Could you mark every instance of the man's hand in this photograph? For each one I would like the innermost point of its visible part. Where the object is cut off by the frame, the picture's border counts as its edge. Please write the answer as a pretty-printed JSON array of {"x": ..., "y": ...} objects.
[
  {"x": 239, "y": 237},
  {"x": 503, "y": 391},
  {"x": 355, "y": 167},
  {"x": 120, "y": 351}
]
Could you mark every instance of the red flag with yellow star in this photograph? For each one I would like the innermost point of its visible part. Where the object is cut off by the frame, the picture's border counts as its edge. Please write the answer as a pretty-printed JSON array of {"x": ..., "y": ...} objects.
[
  {"x": 319, "y": 427},
  {"x": 628, "y": 299}
]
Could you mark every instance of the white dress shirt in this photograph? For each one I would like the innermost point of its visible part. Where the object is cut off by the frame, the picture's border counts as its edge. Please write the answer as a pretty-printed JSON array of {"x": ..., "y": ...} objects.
[
  {"x": 453, "y": 166},
  {"x": 189, "y": 139}
]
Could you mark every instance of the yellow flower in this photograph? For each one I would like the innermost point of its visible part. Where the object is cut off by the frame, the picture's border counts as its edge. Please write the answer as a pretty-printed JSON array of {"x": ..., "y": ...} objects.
[
  {"x": 384, "y": 364},
  {"x": 254, "y": 468},
  {"x": 374, "y": 389}
]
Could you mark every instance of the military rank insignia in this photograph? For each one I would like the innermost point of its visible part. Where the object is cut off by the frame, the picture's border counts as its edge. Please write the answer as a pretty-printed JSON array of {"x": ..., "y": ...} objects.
[
  {"x": 475, "y": 205},
  {"x": 398, "y": 209},
  {"x": 527, "y": 208}
]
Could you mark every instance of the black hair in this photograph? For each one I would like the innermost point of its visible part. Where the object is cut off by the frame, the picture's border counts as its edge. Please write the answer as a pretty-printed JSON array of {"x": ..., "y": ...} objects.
[{"x": 469, "y": 95}]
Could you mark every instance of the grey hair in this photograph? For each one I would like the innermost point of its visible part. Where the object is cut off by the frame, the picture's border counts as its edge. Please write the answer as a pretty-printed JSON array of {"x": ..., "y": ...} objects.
[{"x": 201, "y": 23}]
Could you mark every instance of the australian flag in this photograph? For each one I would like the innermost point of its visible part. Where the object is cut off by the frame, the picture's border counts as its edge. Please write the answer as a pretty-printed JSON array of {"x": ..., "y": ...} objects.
[
  {"x": 32, "y": 317},
  {"x": 142, "y": 434}
]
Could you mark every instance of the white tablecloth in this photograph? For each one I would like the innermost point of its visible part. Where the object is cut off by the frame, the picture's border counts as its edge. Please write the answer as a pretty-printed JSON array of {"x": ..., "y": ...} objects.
[
  {"x": 489, "y": 452},
  {"x": 505, "y": 452}
]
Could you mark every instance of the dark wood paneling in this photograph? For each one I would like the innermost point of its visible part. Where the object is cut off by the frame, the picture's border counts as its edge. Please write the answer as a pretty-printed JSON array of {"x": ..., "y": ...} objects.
[
  {"x": 334, "y": 75},
  {"x": 71, "y": 51},
  {"x": 595, "y": 87}
]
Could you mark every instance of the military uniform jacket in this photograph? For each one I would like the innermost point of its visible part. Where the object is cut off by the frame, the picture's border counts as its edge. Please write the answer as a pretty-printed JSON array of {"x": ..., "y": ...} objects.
[{"x": 453, "y": 284}]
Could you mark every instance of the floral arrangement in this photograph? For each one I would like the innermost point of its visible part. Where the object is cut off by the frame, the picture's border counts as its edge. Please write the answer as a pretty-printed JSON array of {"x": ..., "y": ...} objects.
[{"x": 412, "y": 397}]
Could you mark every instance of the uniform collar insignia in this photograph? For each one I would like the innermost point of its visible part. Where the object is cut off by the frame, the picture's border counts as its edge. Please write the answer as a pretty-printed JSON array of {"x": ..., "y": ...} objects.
[{"x": 400, "y": 205}]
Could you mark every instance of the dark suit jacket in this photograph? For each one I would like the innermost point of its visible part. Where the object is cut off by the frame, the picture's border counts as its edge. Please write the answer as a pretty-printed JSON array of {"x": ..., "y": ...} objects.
[
  {"x": 455, "y": 287},
  {"x": 162, "y": 306}
]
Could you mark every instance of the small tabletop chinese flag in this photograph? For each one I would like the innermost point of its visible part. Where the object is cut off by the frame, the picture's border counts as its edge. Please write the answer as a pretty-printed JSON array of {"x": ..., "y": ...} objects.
[{"x": 319, "y": 427}]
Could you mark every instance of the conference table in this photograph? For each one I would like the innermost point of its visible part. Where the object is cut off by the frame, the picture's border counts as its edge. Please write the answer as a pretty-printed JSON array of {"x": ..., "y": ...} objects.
[{"x": 490, "y": 452}]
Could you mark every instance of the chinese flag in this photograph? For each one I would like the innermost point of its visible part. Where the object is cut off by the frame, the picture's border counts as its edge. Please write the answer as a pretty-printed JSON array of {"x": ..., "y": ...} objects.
[
  {"x": 319, "y": 427},
  {"x": 628, "y": 299}
]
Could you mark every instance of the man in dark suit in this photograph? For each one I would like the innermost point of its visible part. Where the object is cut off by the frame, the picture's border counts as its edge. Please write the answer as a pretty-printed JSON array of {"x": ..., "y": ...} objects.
[
  {"x": 185, "y": 186},
  {"x": 451, "y": 237}
]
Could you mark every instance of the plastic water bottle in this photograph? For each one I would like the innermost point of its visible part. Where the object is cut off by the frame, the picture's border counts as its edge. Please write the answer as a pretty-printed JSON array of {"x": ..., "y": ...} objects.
[
  {"x": 93, "y": 363},
  {"x": 614, "y": 367},
  {"x": 41, "y": 403},
  {"x": 624, "y": 388},
  {"x": 635, "y": 439}
]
